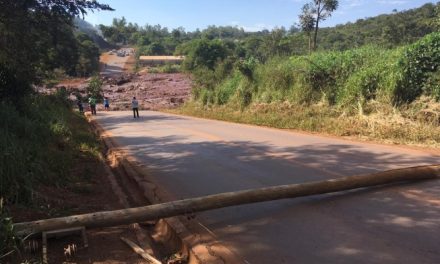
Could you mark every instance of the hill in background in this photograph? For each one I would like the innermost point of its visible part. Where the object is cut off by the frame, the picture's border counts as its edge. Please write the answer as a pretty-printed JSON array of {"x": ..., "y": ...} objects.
[{"x": 92, "y": 32}]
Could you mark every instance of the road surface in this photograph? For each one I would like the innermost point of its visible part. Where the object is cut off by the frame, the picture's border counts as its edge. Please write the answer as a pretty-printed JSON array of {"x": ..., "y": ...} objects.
[
  {"x": 192, "y": 157},
  {"x": 112, "y": 64}
]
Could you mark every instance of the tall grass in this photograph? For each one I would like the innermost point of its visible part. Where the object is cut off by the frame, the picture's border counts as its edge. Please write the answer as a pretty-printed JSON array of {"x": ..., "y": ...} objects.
[
  {"x": 38, "y": 143},
  {"x": 386, "y": 124},
  {"x": 338, "y": 78},
  {"x": 364, "y": 86},
  {"x": 9, "y": 242},
  {"x": 345, "y": 79}
]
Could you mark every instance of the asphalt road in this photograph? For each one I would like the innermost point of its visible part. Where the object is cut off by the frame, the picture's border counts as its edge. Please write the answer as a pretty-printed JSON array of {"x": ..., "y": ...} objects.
[{"x": 192, "y": 157}]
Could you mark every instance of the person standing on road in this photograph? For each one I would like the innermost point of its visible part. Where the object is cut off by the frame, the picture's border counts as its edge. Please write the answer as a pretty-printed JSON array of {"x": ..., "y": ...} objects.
[
  {"x": 135, "y": 106},
  {"x": 80, "y": 106},
  {"x": 106, "y": 104},
  {"x": 92, "y": 103}
]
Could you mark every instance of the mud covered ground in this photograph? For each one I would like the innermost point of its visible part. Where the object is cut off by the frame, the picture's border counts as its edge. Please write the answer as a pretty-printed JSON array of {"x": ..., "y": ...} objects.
[{"x": 154, "y": 91}]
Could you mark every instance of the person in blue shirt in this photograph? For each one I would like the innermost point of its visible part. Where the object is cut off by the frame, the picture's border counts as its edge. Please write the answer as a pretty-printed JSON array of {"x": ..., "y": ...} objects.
[{"x": 106, "y": 104}]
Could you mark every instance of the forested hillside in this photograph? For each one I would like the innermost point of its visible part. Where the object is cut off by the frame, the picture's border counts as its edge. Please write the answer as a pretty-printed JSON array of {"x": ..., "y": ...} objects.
[
  {"x": 38, "y": 40},
  {"x": 389, "y": 30},
  {"x": 386, "y": 31}
]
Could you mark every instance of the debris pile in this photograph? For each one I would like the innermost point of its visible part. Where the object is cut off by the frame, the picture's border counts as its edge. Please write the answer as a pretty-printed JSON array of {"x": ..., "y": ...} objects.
[{"x": 154, "y": 91}]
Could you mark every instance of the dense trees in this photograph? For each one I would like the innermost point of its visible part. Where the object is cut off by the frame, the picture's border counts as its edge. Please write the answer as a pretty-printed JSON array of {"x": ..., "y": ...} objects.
[
  {"x": 307, "y": 23},
  {"x": 38, "y": 37},
  {"x": 216, "y": 53},
  {"x": 386, "y": 31},
  {"x": 88, "y": 56}
]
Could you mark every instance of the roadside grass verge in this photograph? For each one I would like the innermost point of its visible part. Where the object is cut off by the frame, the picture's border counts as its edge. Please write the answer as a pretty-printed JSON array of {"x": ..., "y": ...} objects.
[
  {"x": 386, "y": 95},
  {"x": 386, "y": 124},
  {"x": 40, "y": 142},
  {"x": 45, "y": 147}
]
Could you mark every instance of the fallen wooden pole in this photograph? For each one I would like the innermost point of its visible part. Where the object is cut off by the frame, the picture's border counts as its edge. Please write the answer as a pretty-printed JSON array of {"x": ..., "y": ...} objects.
[{"x": 192, "y": 205}]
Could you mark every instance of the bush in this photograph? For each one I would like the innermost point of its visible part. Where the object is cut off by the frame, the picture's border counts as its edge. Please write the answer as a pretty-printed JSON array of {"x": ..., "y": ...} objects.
[
  {"x": 432, "y": 85},
  {"x": 94, "y": 89},
  {"x": 418, "y": 62},
  {"x": 35, "y": 146},
  {"x": 12, "y": 88},
  {"x": 204, "y": 53},
  {"x": 9, "y": 241},
  {"x": 169, "y": 68},
  {"x": 247, "y": 67},
  {"x": 345, "y": 79},
  {"x": 227, "y": 89}
]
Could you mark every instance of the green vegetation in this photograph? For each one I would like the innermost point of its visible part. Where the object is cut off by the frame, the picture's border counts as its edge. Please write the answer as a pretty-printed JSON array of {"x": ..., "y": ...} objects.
[
  {"x": 167, "y": 68},
  {"x": 420, "y": 64},
  {"x": 341, "y": 92},
  {"x": 385, "y": 31},
  {"x": 94, "y": 89},
  {"x": 39, "y": 135},
  {"x": 40, "y": 142},
  {"x": 376, "y": 78},
  {"x": 312, "y": 14},
  {"x": 384, "y": 123},
  {"x": 85, "y": 27},
  {"x": 8, "y": 240},
  {"x": 38, "y": 37}
]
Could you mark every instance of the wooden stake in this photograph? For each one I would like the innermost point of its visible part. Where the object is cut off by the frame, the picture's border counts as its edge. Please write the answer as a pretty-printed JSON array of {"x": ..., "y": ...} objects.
[{"x": 140, "y": 251}]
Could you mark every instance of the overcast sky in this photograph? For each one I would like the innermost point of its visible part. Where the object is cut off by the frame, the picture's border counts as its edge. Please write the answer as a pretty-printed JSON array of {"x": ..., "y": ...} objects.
[{"x": 252, "y": 15}]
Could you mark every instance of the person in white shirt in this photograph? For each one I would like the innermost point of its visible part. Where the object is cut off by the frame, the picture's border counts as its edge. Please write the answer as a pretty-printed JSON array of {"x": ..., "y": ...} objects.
[{"x": 135, "y": 107}]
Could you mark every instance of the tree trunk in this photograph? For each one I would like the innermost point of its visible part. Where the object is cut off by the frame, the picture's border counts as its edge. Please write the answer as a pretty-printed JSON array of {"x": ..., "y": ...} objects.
[
  {"x": 318, "y": 17},
  {"x": 192, "y": 205}
]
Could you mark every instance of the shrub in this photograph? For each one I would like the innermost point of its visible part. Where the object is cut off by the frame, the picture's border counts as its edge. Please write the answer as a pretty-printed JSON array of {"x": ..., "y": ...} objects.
[
  {"x": 345, "y": 79},
  {"x": 9, "y": 241},
  {"x": 432, "y": 85},
  {"x": 227, "y": 89},
  {"x": 274, "y": 79},
  {"x": 418, "y": 62},
  {"x": 12, "y": 88},
  {"x": 94, "y": 88},
  {"x": 204, "y": 53},
  {"x": 35, "y": 146},
  {"x": 170, "y": 68}
]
